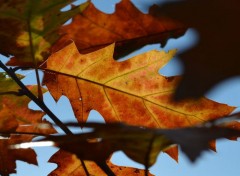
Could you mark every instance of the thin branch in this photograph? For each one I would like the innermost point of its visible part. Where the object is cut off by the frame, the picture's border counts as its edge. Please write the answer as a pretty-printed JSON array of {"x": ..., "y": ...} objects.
[
  {"x": 40, "y": 103},
  {"x": 24, "y": 90}
]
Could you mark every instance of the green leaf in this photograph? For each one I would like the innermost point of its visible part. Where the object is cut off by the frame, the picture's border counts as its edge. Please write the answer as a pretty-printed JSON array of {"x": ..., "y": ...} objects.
[{"x": 29, "y": 28}]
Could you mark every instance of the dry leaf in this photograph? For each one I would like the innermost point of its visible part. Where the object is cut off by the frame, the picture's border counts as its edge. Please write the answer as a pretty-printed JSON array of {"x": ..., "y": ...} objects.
[
  {"x": 21, "y": 119},
  {"x": 127, "y": 26}
]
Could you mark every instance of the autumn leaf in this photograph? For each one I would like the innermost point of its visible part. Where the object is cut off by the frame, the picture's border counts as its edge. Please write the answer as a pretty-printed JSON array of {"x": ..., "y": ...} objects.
[
  {"x": 9, "y": 85},
  {"x": 21, "y": 115},
  {"x": 234, "y": 124},
  {"x": 195, "y": 140},
  {"x": 69, "y": 164},
  {"x": 215, "y": 57},
  {"x": 9, "y": 157},
  {"x": 127, "y": 26},
  {"x": 141, "y": 144},
  {"x": 131, "y": 91},
  {"x": 21, "y": 119},
  {"x": 29, "y": 28}
]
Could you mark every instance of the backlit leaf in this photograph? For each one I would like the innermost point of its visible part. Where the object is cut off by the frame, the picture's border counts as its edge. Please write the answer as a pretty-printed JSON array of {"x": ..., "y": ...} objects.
[
  {"x": 69, "y": 164},
  {"x": 29, "y": 28},
  {"x": 141, "y": 144},
  {"x": 15, "y": 116},
  {"x": 9, "y": 157},
  {"x": 131, "y": 91},
  {"x": 127, "y": 26}
]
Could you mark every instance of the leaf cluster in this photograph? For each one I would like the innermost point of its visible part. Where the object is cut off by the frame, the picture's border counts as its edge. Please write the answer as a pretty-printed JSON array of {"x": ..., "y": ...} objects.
[{"x": 145, "y": 113}]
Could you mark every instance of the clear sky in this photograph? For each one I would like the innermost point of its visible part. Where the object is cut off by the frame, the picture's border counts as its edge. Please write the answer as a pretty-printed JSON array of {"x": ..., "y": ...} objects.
[{"x": 224, "y": 163}]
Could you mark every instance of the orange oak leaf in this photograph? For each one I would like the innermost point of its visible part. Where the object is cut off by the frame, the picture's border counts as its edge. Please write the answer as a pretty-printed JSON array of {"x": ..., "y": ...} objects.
[
  {"x": 9, "y": 157},
  {"x": 215, "y": 57},
  {"x": 29, "y": 28},
  {"x": 19, "y": 119},
  {"x": 172, "y": 151},
  {"x": 127, "y": 26},
  {"x": 12, "y": 120},
  {"x": 69, "y": 164},
  {"x": 131, "y": 91}
]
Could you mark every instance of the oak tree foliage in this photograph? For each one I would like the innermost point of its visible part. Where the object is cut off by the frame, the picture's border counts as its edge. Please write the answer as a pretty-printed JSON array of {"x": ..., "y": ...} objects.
[{"x": 145, "y": 112}]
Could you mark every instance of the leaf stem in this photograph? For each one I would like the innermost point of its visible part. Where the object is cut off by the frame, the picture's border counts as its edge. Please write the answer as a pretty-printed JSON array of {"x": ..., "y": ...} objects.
[
  {"x": 40, "y": 94},
  {"x": 148, "y": 154}
]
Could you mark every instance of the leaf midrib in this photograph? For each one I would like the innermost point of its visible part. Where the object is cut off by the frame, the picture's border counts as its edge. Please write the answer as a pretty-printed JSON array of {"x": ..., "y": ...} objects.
[{"x": 118, "y": 90}]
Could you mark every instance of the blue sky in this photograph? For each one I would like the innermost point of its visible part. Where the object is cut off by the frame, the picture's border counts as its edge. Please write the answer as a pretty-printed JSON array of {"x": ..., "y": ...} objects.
[{"x": 225, "y": 162}]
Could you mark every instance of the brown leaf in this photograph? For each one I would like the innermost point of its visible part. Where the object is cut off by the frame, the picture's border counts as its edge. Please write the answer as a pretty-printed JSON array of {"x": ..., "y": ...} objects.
[
  {"x": 127, "y": 26},
  {"x": 137, "y": 143},
  {"x": 9, "y": 157},
  {"x": 69, "y": 164},
  {"x": 141, "y": 144},
  {"x": 233, "y": 125},
  {"x": 21, "y": 119},
  {"x": 195, "y": 140},
  {"x": 215, "y": 57}
]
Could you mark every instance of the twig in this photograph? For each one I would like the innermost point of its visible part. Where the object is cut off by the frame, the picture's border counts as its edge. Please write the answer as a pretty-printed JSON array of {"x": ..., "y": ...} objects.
[{"x": 24, "y": 90}]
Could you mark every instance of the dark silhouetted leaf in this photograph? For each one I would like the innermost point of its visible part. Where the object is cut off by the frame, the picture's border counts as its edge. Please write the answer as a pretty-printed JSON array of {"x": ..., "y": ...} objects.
[
  {"x": 195, "y": 140},
  {"x": 141, "y": 144},
  {"x": 215, "y": 57},
  {"x": 135, "y": 142}
]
